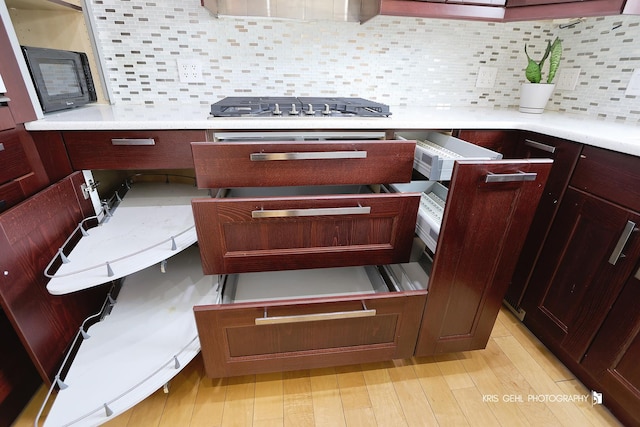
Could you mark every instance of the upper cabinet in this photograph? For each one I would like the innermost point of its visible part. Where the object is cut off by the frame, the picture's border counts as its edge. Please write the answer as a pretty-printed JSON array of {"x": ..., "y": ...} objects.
[
  {"x": 481, "y": 10},
  {"x": 509, "y": 10},
  {"x": 526, "y": 10}
]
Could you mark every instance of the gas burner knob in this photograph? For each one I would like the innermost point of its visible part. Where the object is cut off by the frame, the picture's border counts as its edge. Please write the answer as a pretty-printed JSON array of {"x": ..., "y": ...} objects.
[
  {"x": 294, "y": 111},
  {"x": 277, "y": 111},
  {"x": 327, "y": 110},
  {"x": 310, "y": 111}
]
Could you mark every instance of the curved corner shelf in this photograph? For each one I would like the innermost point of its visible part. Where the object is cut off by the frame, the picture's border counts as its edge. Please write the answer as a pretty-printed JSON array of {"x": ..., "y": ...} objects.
[
  {"x": 148, "y": 337},
  {"x": 152, "y": 223}
]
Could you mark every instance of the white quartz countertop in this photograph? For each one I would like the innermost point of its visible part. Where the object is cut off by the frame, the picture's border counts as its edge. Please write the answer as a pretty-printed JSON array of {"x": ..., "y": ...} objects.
[{"x": 624, "y": 138}]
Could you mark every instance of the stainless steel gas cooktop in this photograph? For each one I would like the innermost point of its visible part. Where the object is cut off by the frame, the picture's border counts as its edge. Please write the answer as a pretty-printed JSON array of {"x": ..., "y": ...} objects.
[{"x": 248, "y": 106}]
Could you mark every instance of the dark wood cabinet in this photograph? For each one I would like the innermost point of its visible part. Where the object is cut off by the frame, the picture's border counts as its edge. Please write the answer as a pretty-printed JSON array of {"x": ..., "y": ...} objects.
[
  {"x": 613, "y": 356},
  {"x": 127, "y": 150},
  {"x": 581, "y": 271},
  {"x": 582, "y": 296},
  {"x": 529, "y": 10},
  {"x": 483, "y": 230},
  {"x": 448, "y": 10}
]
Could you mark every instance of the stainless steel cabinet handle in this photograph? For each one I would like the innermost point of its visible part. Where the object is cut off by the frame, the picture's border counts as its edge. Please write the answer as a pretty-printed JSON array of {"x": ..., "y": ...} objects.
[
  {"x": 1, "y": 146},
  {"x": 4, "y": 99},
  {"x": 315, "y": 317},
  {"x": 133, "y": 141},
  {"x": 511, "y": 177},
  {"x": 283, "y": 213},
  {"x": 540, "y": 146},
  {"x": 312, "y": 155},
  {"x": 622, "y": 241}
]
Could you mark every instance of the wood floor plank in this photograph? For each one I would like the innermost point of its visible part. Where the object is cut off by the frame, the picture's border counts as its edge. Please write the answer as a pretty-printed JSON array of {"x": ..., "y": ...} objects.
[
  {"x": 475, "y": 410},
  {"x": 269, "y": 400},
  {"x": 552, "y": 366},
  {"x": 209, "y": 404},
  {"x": 493, "y": 391},
  {"x": 238, "y": 405},
  {"x": 327, "y": 406},
  {"x": 353, "y": 388},
  {"x": 542, "y": 384},
  {"x": 180, "y": 403},
  {"x": 150, "y": 413},
  {"x": 443, "y": 403},
  {"x": 384, "y": 400},
  {"x": 598, "y": 415},
  {"x": 536, "y": 413},
  {"x": 297, "y": 400},
  {"x": 453, "y": 372},
  {"x": 415, "y": 405}
]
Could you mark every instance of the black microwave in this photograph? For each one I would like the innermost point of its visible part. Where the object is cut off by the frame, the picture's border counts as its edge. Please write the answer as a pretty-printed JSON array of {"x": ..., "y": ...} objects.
[{"x": 62, "y": 78}]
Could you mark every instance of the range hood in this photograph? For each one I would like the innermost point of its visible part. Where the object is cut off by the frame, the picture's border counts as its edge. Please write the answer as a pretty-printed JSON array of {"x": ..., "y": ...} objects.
[{"x": 305, "y": 10}]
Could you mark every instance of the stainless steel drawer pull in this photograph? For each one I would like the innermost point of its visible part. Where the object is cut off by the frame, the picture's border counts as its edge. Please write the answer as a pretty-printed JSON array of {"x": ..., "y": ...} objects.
[
  {"x": 622, "y": 241},
  {"x": 4, "y": 99},
  {"x": 540, "y": 146},
  {"x": 311, "y": 155},
  {"x": 1, "y": 146},
  {"x": 315, "y": 317},
  {"x": 283, "y": 213},
  {"x": 133, "y": 141},
  {"x": 511, "y": 177}
]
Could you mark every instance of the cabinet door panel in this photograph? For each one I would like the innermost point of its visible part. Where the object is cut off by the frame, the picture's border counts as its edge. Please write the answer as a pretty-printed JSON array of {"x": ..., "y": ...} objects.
[
  {"x": 483, "y": 230},
  {"x": 232, "y": 240},
  {"x": 574, "y": 282},
  {"x": 612, "y": 358}
]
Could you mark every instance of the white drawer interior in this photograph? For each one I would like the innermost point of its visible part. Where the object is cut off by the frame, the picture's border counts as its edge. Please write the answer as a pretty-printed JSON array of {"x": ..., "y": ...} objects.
[{"x": 436, "y": 153}]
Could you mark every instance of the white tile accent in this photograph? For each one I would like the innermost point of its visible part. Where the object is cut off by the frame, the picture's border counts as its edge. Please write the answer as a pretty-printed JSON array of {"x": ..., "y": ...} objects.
[{"x": 395, "y": 60}]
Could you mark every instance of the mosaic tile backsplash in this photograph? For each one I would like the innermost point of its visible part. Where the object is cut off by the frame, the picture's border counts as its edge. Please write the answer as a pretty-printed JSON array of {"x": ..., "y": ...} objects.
[{"x": 394, "y": 60}]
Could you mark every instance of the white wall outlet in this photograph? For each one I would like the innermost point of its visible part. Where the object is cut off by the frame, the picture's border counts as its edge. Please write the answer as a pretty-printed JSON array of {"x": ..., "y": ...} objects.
[
  {"x": 190, "y": 71},
  {"x": 567, "y": 78},
  {"x": 486, "y": 77},
  {"x": 633, "y": 88}
]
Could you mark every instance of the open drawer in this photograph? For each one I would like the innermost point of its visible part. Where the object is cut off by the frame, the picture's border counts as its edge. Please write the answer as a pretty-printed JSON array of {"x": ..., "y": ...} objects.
[
  {"x": 303, "y": 319},
  {"x": 315, "y": 162},
  {"x": 435, "y": 153},
  {"x": 433, "y": 199},
  {"x": 246, "y": 233}
]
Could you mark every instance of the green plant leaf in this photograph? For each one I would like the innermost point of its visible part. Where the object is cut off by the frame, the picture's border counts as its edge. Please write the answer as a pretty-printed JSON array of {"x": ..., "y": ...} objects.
[
  {"x": 532, "y": 72},
  {"x": 554, "y": 60}
]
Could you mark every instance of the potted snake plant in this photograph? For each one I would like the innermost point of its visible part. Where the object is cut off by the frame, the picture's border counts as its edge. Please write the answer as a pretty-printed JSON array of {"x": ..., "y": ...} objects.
[{"x": 535, "y": 93}]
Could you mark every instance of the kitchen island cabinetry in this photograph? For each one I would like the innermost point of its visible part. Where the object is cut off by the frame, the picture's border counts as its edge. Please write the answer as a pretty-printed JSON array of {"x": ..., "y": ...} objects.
[{"x": 592, "y": 251}]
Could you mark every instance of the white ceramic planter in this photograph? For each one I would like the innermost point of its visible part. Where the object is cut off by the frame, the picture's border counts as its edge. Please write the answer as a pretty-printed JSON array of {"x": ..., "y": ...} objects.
[{"x": 534, "y": 97}]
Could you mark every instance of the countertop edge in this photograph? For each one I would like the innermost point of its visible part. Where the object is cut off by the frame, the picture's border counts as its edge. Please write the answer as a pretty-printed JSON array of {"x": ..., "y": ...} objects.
[{"x": 621, "y": 137}]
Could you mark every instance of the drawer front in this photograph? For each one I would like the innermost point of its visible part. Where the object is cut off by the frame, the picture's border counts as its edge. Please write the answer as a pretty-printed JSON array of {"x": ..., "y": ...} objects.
[
  {"x": 12, "y": 157},
  {"x": 305, "y": 335},
  {"x": 272, "y": 164},
  {"x": 131, "y": 149},
  {"x": 610, "y": 175},
  {"x": 10, "y": 194},
  {"x": 286, "y": 233}
]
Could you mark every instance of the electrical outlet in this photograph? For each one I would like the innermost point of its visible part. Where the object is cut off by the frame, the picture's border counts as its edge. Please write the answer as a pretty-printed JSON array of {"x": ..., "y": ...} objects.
[
  {"x": 190, "y": 71},
  {"x": 633, "y": 88},
  {"x": 486, "y": 77},
  {"x": 567, "y": 78}
]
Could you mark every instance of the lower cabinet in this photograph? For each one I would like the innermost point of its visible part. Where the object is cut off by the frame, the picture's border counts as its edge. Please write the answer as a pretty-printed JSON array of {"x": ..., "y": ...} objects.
[
  {"x": 612, "y": 358},
  {"x": 423, "y": 303},
  {"x": 582, "y": 299},
  {"x": 240, "y": 337}
]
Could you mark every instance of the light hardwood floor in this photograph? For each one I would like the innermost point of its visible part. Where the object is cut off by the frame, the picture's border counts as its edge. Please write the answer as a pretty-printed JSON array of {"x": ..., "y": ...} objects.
[{"x": 448, "y": 390}]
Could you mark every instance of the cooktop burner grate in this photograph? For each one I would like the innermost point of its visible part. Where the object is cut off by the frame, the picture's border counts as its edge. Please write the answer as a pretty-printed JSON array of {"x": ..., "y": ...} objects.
[{"x": 246, "y": 106}]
